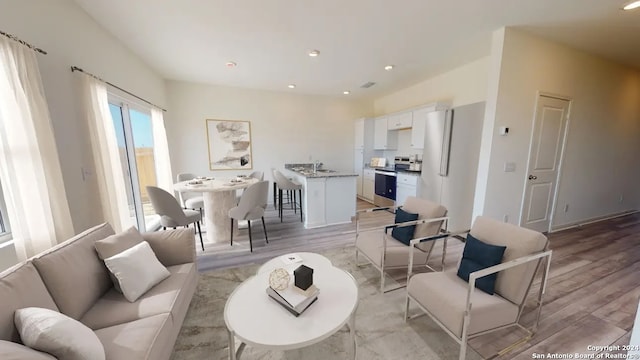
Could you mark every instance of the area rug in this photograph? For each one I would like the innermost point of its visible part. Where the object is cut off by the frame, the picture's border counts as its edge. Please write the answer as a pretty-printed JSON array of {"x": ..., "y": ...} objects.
[{"x": 380, "y": 328}]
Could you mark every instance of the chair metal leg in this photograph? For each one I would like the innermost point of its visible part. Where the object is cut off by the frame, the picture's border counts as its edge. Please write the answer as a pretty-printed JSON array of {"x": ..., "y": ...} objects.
[
  {"x": 280, "y": 203},
  {"x": 406, "y": 307},
  {"x": 164, "y": 228},
  {"x": 300, "y": 204},
  {"x": 231, "y": 232},
  {"x": 295, "y": 204},
  {"x": 197, "y": 225},
  {"x": 265, "y": 231},
  {"x": 250, "y": 239},
  {"x": 275, "y": 203}
]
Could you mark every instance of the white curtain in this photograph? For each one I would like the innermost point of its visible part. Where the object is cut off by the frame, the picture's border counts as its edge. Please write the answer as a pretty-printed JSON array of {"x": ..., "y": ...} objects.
[
  {"x": 32, "y": 181},
  {"x": 164, "y": 176},
  {"x": 106, "y": 155}
]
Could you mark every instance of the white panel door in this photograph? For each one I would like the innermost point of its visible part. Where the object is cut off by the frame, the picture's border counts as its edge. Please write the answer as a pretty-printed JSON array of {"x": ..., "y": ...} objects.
[{"x": 544, "y": 160}]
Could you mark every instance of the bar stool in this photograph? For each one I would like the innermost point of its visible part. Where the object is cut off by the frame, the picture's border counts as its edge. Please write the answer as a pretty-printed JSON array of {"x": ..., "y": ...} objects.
[{"x": 283, "y": 183}]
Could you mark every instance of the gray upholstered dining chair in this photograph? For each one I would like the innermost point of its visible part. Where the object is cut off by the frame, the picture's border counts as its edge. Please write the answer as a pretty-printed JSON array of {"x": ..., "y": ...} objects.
[
  {"x": 171, "y": 214},
  {"x": 190, "y": 200},
  {"x": 385, "y": 252},
  {"x": 466, "y": 309},
  {"x": 251, "y": 207},
  {"x": 285, "y": 184},
  {"x": 257, "y": 175}
]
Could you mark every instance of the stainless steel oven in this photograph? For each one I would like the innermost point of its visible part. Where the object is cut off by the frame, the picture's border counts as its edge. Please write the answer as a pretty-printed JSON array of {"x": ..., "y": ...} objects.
[{"x": 385, "y": 188}]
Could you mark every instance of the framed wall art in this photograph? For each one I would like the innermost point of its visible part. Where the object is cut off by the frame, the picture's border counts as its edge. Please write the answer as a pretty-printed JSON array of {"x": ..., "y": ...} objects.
[{"x": 229, "y": 144}]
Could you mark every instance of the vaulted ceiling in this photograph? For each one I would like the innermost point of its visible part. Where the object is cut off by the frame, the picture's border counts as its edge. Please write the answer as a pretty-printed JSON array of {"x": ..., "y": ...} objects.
[{"x": 192, "y": 40}]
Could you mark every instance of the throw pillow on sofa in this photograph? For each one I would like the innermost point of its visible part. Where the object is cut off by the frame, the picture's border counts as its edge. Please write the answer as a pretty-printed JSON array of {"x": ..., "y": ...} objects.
[
  {"x": 137, "y": 270},
  {"x": 116, "y": 244},
  {"x": 57, "y": 334}
]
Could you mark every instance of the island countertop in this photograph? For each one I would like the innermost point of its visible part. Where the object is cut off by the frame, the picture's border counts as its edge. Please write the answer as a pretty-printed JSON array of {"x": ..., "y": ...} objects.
[{"x": 306, "y": 170}]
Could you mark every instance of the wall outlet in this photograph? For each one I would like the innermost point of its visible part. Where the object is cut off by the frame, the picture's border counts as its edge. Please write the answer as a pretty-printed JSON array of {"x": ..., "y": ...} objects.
[
  {"x": 505, "y": 218},
  {"x": 566, "y": 207}
]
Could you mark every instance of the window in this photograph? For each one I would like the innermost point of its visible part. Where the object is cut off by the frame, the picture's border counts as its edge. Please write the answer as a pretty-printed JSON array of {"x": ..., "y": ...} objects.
[
  {"x": 135, "y": 143},
  {"x": 5, "y": 229}
]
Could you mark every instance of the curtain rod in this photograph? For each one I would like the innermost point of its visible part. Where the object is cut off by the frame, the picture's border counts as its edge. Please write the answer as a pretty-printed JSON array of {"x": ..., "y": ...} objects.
[
  {"x": 15, "y": 38},
  {"x": 75, "y": 68}
]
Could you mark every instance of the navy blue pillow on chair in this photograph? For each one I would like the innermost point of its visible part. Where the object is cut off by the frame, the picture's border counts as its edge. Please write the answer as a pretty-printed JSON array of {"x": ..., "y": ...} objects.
[
  {"x": 478, "y": 255},
  {"x": 404, "y": 234}
]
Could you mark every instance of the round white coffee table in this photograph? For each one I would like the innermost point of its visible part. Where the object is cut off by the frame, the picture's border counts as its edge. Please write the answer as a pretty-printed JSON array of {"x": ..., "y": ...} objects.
[{"x": 258, "y": 321}]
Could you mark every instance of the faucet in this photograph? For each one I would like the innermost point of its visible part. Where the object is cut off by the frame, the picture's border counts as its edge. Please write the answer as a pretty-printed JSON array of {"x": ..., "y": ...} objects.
[{"x": 316, "y": 165}]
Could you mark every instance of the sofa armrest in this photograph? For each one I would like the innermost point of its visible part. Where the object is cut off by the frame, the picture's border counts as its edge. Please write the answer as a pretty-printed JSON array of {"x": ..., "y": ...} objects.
[{"x": 173, "y": 247}]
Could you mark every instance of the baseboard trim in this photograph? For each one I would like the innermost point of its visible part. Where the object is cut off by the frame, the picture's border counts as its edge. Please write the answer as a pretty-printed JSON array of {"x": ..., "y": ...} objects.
[{"x": 592, "y": 220}]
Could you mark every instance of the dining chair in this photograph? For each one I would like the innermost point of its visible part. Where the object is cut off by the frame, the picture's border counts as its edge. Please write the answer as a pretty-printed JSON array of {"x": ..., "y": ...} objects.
[
  {"x": 251, "y": 207},
  {"x": 257, "y": 175},
  {"x": 190, "y": 200},
  {"x": 407, "y": 242},
  {"x": 171, "y": 214}
]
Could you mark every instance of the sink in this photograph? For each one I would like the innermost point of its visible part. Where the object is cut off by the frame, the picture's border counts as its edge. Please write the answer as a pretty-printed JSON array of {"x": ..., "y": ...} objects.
[{"x": 326, "y": 171}]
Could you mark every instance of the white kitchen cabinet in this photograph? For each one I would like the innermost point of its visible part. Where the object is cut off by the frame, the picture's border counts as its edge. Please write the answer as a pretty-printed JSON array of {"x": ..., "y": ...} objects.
[
  {"x": 358, "y": 167},
  {"x": 418, "y": 128},
  {"x": 406, "y": 185},
  {"x": 368, "y": 184},
  {"x": 359, "y": 134},
  {"x": 399, "y": 121},
  {"x": 383, "y": 139}
]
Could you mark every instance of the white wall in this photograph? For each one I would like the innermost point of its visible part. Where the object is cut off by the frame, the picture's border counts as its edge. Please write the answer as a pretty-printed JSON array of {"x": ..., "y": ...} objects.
[
  {"x": 601, "y": 159},
  {"x": 71, "y": 37},
  {"x": 285, "y": 128},
  {"x": 464, "y": 85}
]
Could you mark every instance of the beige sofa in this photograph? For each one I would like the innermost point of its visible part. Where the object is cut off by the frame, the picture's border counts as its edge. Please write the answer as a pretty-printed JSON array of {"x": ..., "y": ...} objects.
[{"x": 70, "y": 278}]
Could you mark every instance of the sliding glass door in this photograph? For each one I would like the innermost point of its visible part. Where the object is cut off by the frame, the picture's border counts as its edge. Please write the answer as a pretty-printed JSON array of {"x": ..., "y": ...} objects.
[{"x": 135, "y": 144}]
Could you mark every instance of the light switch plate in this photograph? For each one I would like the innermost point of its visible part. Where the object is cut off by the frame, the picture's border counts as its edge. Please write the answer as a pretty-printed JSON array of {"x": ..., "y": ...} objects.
[{"x": 509, "y": 167}]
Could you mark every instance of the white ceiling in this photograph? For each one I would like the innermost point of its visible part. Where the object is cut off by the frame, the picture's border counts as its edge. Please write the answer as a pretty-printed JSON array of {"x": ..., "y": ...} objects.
[{"x": 191, "y": 40}]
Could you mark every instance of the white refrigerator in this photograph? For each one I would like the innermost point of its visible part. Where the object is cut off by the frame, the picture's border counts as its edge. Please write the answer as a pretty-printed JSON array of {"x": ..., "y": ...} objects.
[{"x": 450, "y": 160}]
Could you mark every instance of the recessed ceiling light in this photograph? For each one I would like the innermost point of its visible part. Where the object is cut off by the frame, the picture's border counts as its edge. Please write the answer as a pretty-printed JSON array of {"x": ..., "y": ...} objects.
[
  {"x": 346, "y": 92},
  {"x": 231, "y": 64},
  {"x": 632, "y": 5},
  {"x": 388, "y": 67},
  {"x": 314, "y": 53},
  {"x": 291, "y": 86}
]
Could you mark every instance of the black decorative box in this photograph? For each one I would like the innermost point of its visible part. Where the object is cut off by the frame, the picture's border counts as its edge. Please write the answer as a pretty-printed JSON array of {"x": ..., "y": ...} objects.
[{"x": 303, "y": 277}]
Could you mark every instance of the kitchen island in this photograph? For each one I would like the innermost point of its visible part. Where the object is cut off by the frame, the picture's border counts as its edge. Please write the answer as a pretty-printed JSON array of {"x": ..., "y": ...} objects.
[{"x": 328, "y": 196}]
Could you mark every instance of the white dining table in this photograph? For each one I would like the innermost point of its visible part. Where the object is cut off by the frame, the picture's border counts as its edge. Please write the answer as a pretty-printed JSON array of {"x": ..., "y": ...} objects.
[{"x": 219, "y": 195}]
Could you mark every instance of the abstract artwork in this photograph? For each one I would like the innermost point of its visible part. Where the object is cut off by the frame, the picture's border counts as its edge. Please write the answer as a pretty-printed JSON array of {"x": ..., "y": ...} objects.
[{"x": 229, "y": 144}]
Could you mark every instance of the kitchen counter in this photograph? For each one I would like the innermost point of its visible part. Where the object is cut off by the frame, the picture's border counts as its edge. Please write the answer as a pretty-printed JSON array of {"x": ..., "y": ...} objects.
[
  {"x": 391, "y": 168},
  {"x": 328, "y": 197}
]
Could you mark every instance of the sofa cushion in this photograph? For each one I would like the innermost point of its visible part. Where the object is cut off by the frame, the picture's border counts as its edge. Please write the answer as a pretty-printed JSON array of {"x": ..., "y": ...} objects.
[
  {"x": 143, "y": 339},
  {"x": 57, "y": 334},
  {"x": 137, "y": 270},
  {"x": 13, "y": 351},
  {"x": 20, "y": 286},
  {"x": 173, "y": 296},
  {"x": 172, "y": 247},
  {"x": 73, "y": 273},
  {"x": 444, "y": 294},
  {"x": 116, "y": 244}
]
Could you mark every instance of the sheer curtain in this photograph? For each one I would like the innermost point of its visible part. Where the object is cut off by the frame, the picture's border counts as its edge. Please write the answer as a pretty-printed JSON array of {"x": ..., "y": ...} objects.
[
  {"x": 106, "y": 155},
  {"x": 164, "y": 176},
  {"x": 29, "y": 165}
]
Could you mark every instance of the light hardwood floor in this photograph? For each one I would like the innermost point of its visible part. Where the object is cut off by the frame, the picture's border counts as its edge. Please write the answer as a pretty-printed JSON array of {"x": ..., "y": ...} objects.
[{"x": 591, "y": 298}]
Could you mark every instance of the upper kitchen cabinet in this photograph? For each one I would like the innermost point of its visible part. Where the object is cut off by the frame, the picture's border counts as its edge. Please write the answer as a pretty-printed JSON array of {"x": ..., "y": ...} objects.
[
  {"x": 383, "y": 139},
  {"x": 418, "y": 128},
  {"x": 359, "y": 134},
  {"x": 399, "y": 121}
]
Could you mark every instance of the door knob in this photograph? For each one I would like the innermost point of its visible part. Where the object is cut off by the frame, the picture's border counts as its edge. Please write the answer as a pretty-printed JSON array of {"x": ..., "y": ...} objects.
[{"x": 532, "y": 177}]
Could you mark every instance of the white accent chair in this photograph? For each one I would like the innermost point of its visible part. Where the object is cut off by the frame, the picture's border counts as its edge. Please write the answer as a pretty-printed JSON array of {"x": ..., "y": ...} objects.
[
  {"x": 251, "y": 207},
  {"x": 384, "y": 252},
  {"x": 465, "y": 312},
  {"x": 171, "y": 214}
]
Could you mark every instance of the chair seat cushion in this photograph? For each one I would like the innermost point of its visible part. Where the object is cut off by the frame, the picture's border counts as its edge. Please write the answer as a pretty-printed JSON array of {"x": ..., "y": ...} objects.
[
  {"x": 444, "y": 295},
  {"x": 370, "y": 244},
  {"x": 477, "y": 256},
  {"x": 192, "y": 216},
  {"x": 144, "y": 339},
  {"x": 196, "y": 202},
  {"x": 404, "y": 234}
]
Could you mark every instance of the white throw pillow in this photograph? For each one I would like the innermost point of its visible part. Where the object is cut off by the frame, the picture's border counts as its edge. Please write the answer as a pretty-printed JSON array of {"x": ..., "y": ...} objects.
[
  {"x": 57, "y": 334},
  {"x": 137, "y": 270}
]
